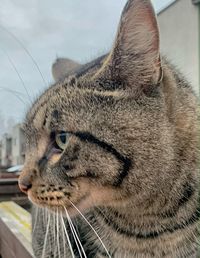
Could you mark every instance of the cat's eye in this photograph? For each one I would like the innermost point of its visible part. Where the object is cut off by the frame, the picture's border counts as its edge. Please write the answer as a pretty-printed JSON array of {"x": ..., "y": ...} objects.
[{"x": 61, "y": 140}]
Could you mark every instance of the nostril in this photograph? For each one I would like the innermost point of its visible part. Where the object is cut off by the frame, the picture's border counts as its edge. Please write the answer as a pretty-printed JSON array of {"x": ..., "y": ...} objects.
[
  {"x": 25, "y": 183},
  {"x": 24, "y": 188}
]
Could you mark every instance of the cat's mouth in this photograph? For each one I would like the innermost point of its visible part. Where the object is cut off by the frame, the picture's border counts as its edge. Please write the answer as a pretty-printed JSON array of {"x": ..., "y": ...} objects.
[{"x": 57, "y": 202}]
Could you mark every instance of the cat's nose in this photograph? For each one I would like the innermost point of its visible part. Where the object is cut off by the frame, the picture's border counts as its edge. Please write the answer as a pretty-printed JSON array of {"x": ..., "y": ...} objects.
[
  {"x": 24, "y": 188},
  {"x": 25, "y": 183}
]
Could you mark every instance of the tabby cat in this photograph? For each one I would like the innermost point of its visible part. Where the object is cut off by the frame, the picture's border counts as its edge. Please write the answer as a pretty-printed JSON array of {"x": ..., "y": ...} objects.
[{"x": 111, "y": 157}]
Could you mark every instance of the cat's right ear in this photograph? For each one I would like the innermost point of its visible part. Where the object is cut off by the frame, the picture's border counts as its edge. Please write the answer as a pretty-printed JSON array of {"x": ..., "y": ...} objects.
[
  {"x": 134, "y": 60},
  {"x": 63, "y": 67}
]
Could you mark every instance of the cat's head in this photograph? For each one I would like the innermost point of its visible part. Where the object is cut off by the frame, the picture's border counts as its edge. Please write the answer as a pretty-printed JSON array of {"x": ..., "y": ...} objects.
[{"x": 95, "y": 140}]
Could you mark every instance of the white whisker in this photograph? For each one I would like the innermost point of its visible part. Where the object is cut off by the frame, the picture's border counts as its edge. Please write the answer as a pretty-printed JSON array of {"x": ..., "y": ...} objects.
[
  {"x": 91, "y": 228},
  {"x": 25, "y": 49},
  {"x": 18, "y": 74},
  {"x": 63, "y": 236},
  {"x": 15, "y": 93},
  {"x": 45, "y": 240},
  {"x": 52, "y": 244},
  {"x": 75, "y": 239},
  {"x": 68, "y": 240},
  {"x": 36, "y": 218},
  {"x": 46, "y": 214},
  {"x": 12, "y": 91},
  {"x": 57, "y": 235},
  {"x": 75, "y": 235},
  {"x": 54, "y": 231}
]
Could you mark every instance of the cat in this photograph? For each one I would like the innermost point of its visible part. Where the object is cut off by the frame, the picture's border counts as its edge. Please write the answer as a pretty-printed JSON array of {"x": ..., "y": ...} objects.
[{"x": 112, "y": 153}]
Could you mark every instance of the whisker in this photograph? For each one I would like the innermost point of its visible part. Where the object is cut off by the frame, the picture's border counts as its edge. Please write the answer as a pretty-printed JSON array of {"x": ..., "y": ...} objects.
[
  {"x": 75, "y": 235},
  {"x": 25, "y": 49},
  {"x": 18, "y": 74},
  {"x": 91, "y": 228},
  {"x": 54, "y": 231},
  {"x": 36, "y": 218},
  {"x": 15, "y": 93},
  {"x": 64, "y": 242},
  {"x": 75, "y": 239},
  {"x": 12, "y": 91},
  {"x": 45, "y": 240},
  {"x": 68, "y": 240},
  {"x": 51, "y": 239},
  {"x": 57, "y": 235},
  {"x": 46, "y": 214}
]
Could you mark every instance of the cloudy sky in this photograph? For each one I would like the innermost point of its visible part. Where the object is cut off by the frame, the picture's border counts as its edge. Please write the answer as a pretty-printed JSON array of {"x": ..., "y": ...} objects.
[{"x": 80, "y": 30}]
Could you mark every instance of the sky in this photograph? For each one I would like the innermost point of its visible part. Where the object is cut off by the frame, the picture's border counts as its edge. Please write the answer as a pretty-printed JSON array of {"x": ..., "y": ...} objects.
[{"x": 77, "y": 29}]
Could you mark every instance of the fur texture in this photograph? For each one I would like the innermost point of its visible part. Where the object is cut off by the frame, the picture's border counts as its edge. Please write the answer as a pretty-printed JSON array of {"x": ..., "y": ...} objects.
[{"x": 130, "y": 163}]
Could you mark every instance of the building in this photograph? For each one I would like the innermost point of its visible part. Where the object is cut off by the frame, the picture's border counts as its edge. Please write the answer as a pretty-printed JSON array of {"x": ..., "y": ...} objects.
[
  {"x": 179, "y": 22},
  {"x": 0, "y": 153},
  {"x": 12, "y": 147},
  {"x": 6, "y": 150},
  {"x": 18, "y": 145}
]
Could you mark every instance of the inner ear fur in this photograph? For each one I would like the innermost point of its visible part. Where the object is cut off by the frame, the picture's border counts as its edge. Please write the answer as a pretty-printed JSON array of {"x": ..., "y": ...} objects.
[{"x": 135, "y": 57}]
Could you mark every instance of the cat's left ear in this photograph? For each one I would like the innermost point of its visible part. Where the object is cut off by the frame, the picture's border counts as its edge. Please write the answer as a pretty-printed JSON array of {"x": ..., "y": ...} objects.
[
  {"x": 135, "y": 57},
  {"x": 63, "y": 67}
]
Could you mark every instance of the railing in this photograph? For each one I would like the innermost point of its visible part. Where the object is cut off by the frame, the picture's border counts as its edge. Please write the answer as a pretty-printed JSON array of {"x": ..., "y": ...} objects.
[
  {"x": 9, "y": 191},
  {"x": 15, "y": 231},
  {"x": 15, "y": 222}
]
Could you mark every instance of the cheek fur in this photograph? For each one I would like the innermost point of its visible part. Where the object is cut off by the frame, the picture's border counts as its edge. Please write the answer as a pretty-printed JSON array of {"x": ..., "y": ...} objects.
[{"x": 54, "y": 159}]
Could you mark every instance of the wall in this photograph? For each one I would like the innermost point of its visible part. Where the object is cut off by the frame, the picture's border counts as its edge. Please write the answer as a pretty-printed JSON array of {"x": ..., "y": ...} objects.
[
  {"x": 6, "y": 152},
  {"x": 17, "y": 145},
  {"x": 179, "y": 28}
]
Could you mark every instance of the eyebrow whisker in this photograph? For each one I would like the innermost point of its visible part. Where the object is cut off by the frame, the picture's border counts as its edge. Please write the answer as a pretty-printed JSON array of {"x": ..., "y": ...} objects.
[
  {"x": 25, "y": 49},
  {"x": 18, "y": 74}
]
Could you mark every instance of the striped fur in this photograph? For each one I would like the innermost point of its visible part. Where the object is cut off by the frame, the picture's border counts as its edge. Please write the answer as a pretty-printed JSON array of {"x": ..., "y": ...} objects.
[{"x": 130, "y": 164}]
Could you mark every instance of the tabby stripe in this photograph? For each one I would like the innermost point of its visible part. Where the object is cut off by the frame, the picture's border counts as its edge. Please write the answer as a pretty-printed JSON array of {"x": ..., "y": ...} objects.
[
  {"x": 188, "y": 192},
  {"x": 91, "y": 247},
  {"x": 154, "y": 234},
  {"x": 87, "y": 137}
]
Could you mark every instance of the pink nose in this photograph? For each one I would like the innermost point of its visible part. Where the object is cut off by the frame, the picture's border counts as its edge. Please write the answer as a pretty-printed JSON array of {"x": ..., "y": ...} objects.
[
  {"x": 24, "y": 188},
  {"x": 24, "y": 184}
]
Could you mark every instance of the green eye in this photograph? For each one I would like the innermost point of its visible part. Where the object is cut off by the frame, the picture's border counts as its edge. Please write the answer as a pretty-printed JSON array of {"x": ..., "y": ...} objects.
[{"x": 62, "y": 140}]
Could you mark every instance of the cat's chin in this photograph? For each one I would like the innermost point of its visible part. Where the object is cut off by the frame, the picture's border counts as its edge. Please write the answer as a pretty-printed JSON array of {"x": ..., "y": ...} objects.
[{"x": 71, "y": 208}]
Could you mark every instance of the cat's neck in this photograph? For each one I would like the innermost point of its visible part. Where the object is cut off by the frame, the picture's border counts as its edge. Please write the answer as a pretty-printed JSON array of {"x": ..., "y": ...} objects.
[{"x": 117, "y": 226}]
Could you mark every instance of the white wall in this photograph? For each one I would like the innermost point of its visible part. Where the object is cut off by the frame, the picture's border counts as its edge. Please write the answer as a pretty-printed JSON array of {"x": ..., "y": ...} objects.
[
  {"x": 6, "y": 157},
  {"x": 17, "y": 142},
  {"x": 179, "y": 25}
]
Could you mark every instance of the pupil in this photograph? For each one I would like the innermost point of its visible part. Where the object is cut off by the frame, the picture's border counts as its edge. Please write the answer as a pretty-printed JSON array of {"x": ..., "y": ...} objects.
[{"x": 63, "y": 138}]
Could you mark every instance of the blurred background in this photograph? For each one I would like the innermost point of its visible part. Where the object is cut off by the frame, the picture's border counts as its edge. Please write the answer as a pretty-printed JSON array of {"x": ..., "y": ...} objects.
[{"x": 34, "y": 33}]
